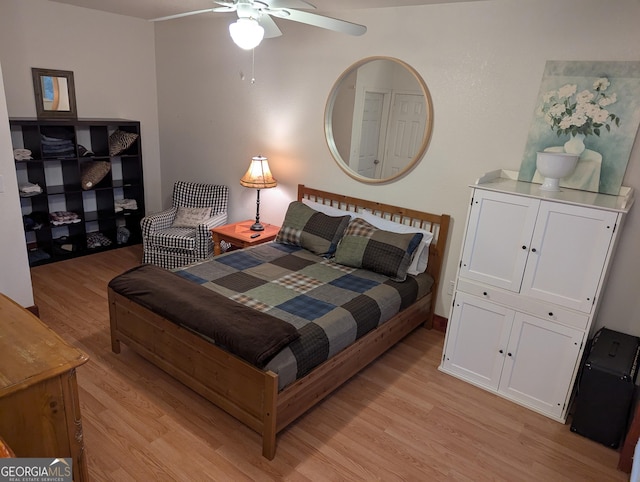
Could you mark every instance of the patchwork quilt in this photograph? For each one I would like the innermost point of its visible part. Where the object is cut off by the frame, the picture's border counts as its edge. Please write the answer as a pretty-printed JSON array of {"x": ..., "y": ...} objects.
[{"x": 330, "y": 305}]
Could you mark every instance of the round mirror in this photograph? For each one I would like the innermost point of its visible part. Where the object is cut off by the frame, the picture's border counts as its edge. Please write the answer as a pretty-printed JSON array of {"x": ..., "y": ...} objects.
[{"x": 378, "y": 119}]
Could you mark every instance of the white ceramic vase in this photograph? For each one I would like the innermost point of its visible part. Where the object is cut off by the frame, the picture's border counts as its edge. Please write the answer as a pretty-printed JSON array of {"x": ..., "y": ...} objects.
[
  {"x": 553, "y": 166},
  {"x": 575, "y": 145}
]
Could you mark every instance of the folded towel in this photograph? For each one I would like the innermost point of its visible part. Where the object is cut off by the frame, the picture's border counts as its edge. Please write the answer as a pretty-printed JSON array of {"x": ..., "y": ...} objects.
[
  {"x": 22, "y": 154},
  {"x": 122, "y": 204},
  {"x": 64, "y": 217},
  {"x": 29, "y": 188}
]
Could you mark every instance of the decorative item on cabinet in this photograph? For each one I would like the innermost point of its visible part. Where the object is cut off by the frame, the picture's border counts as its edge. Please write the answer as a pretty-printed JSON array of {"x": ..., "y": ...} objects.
[
  {"x": 529, "y": 281},
  {"x": 89, "y": 192},
  {"x": 554, "y": 166}
]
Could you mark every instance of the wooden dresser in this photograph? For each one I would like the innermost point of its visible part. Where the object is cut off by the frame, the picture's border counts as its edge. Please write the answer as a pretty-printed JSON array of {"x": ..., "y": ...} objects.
[{"x": 39, "y": 406}]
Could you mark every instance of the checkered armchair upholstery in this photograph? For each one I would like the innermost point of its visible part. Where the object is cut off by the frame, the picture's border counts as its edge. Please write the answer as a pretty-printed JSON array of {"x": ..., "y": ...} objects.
[{"x": 171, "y": 247}]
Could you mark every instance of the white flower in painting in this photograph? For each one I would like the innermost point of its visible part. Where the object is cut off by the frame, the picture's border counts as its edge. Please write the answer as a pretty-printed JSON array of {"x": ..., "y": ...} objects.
[
  {"x": 556, "y": 110},
  {"x": 601, "y": 85},
  {"x": 569, "y": 112},
  {"x": 605, "y": 101},
  {"x": 584, "y": 97},
  {"x": 600, "y": 116},
  {"x": 567, "y": 91}
]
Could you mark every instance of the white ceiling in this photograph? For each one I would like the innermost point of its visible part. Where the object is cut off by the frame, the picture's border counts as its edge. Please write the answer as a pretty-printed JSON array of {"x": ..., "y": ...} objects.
[{"x": 149, "y": 9}]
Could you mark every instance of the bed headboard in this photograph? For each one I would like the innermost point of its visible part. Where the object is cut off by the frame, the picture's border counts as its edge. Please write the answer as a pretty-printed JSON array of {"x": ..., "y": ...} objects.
[{"x": 438, "y": 224}]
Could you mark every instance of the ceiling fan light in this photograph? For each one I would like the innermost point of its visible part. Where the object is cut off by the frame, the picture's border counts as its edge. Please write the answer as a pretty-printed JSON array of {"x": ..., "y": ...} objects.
[{"x": 246, "y": 33}]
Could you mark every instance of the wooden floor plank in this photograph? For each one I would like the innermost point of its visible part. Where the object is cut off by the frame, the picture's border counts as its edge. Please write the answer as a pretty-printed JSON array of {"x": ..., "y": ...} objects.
[{"x": 399, "y": 419}]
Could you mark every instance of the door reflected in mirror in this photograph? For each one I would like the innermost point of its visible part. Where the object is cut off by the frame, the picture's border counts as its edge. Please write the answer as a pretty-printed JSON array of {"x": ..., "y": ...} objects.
[
  {"x": 55, "y": 93},
  {"x": 378, "y": 119}
]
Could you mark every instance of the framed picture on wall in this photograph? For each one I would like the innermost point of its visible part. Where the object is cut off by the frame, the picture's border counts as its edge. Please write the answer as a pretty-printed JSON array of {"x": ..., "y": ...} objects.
[
  {"x": 590, "y": 108},
  {"x": 54, "y": 93}
]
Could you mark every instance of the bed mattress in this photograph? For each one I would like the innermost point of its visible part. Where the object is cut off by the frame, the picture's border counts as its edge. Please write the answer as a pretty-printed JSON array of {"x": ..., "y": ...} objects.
[{"x": 329, "y": 304}]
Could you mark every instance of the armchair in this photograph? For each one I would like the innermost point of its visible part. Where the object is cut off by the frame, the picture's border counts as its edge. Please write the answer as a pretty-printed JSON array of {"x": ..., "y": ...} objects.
[{"x": 170, "y": 246}]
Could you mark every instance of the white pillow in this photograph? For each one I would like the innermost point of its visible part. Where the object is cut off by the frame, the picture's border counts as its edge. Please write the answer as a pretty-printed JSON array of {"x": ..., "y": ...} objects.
[
  {"x": 420, "y": 255},
  {"x": 190, "y": 217},
  {"x": 328, "y": 210}
]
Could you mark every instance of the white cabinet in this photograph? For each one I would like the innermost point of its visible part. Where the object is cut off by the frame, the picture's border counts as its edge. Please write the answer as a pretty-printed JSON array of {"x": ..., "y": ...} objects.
[
  {"x": 477, "y": 338},
  {"x": 498, "y": 238},
  {"x": 499, "y": 348},
  {"x": 539, "y": 363},
  {"x": 531, "y": 271}
]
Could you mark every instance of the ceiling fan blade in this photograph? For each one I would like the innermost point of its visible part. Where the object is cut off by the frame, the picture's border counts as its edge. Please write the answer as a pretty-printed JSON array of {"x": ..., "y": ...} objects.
[
  {"x": 179, "y": 15},
  {"x": 326, "y": 22},
  {"x": 300, "y": 4},
  {"x": 271, "y": 30}
]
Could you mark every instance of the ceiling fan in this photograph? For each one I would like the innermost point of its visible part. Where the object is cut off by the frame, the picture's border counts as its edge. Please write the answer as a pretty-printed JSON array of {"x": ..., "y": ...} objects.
[{"x": 255, "y": 23}]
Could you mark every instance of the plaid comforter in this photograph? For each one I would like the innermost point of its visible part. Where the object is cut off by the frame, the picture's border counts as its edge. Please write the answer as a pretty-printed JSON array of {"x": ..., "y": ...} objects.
[{"x": 330, "y": 305}]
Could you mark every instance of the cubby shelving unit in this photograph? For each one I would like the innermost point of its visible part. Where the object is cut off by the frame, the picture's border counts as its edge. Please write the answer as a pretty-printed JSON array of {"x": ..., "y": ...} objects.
[{"x": 60, "y": 176}]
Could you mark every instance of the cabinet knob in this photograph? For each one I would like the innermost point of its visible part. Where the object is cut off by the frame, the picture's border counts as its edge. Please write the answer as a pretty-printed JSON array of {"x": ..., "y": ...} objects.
[
  {"x": 501, "y": 351},
  {"x": 484, "y": 293},
  {"x": 533, "y": 250},
  {"x": 509, "y": 354},
  {"x": 551, "y": 313},
  {"x": 524, "y": 247}
]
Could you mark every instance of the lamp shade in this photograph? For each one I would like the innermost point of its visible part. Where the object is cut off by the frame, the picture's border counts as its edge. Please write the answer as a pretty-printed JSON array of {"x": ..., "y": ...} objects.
[
  {"x": 246, "y": 33},
  {"x": 258, "y": 176}
]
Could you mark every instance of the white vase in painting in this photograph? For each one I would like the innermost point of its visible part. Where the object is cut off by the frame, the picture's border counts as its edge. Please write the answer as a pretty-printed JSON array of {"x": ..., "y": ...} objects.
[
  {"x": 553, "y": 166},
  {"x": 575, "y": 145}
]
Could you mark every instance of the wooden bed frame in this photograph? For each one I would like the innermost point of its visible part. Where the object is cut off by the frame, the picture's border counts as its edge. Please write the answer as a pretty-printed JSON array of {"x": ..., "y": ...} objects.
[{"x": 251, "y": 394}]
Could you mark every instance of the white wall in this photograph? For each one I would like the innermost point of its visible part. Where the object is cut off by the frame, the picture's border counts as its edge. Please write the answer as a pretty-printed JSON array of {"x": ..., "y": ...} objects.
[
  {"x": 113, "y": 61},
  {"x": 15, "y": 279},
  {"x": 112, "y": 58},
  {"x": 482, "y": 61}
]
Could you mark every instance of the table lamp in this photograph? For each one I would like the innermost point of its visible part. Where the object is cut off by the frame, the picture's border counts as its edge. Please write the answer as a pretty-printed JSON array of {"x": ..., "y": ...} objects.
[{"x": 258, "y": 176}]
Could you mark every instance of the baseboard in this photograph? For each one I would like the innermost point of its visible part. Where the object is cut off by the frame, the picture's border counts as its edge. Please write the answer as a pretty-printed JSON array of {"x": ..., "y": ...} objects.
[
  {"x": 33, "y": 309},
  {"x": 440, "y": 323}
]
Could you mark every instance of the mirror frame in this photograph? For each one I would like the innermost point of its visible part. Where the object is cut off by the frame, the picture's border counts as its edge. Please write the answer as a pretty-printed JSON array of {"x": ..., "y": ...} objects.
[
  {"x": 43, "y": 113},
  {"x": 328, "y": 124}
]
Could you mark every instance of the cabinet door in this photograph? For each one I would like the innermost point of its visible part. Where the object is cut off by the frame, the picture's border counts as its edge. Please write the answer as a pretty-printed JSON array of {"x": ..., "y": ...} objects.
[
  {"x": 497, "y": 240},
  {"x": 540, "y": 363},
  {"x": 477, "y": 336},
  {"x": 568, "y": 253}
]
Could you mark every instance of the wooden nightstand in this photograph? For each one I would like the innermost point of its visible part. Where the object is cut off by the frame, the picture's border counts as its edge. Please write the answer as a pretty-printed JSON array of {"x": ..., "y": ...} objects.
[{"x": 239, "y": 235}]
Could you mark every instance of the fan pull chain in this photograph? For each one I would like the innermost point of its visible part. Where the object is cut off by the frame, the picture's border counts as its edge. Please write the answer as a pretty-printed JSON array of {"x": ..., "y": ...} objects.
[{"x": 253, "y": 66}]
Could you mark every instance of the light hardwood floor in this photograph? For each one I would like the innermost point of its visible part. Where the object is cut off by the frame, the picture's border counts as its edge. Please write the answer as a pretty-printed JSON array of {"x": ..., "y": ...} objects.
[{"x": 399, "y": 419}]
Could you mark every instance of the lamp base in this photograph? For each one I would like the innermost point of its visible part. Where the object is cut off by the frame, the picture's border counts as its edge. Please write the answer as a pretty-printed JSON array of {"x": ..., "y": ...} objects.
[{"x": 257, "y": 227}]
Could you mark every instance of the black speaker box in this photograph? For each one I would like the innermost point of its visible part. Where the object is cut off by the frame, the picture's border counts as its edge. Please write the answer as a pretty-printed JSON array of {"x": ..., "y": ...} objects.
[{"x": 606, "y": 387}]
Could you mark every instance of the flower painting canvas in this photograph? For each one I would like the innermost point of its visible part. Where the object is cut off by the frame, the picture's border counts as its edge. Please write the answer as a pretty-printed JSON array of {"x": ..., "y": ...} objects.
[{"x": 591, "y": 109}]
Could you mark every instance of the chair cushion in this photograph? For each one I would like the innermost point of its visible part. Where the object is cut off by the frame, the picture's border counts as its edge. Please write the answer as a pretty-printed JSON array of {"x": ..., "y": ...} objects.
[
  {"x": 190, "y": 217},
  {"x": 174, "y": 238}
]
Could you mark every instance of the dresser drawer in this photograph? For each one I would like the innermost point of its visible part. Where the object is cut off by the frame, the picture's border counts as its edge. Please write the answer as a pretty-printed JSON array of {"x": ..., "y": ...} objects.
[{"x": 546, "y": 311}]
